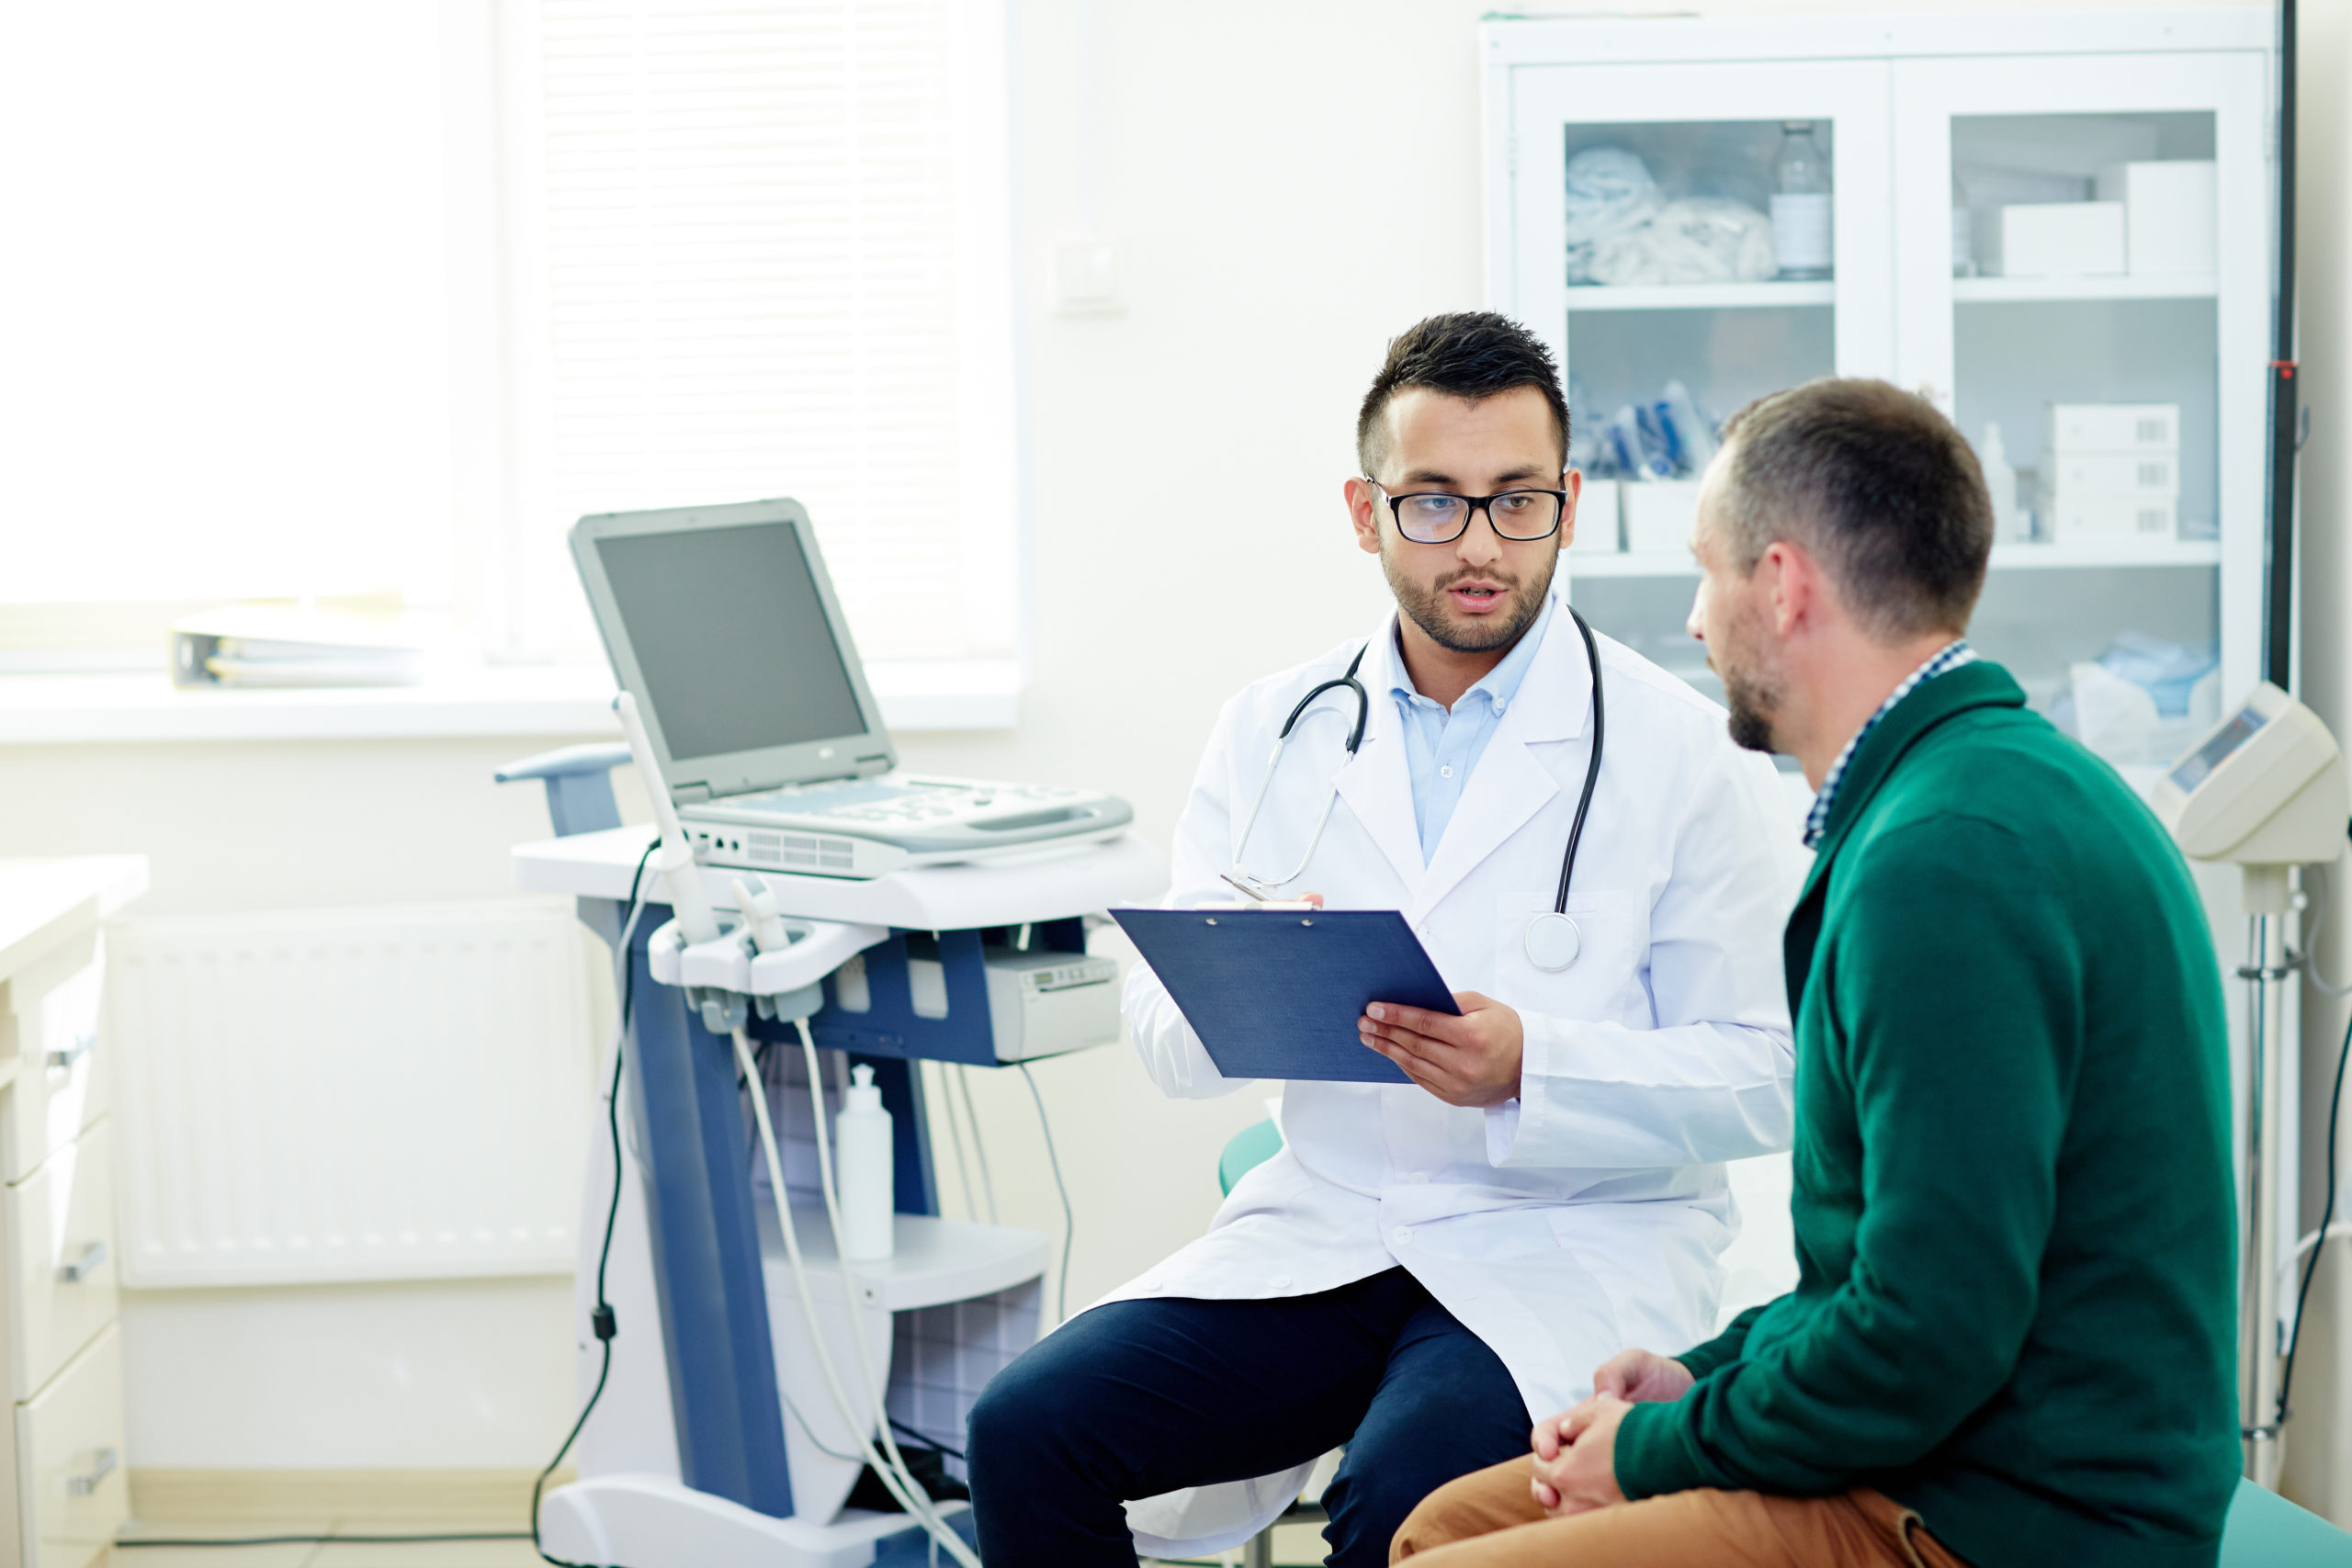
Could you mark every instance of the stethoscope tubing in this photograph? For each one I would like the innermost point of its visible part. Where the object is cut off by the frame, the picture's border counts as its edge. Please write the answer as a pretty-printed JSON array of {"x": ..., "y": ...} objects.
[
  {"x": 1355, "y": 740},
  {"x": 1242, "y": 878},
  {"x": 1592, "y": 768}
]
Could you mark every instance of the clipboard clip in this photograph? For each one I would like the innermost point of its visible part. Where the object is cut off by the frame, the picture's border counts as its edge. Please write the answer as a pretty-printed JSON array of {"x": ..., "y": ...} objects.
[{"x": 1251, "y": 898}]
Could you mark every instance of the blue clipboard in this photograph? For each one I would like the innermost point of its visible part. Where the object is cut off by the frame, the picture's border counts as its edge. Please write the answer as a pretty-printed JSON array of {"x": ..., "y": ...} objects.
[{"x": 1276, "y": 993}]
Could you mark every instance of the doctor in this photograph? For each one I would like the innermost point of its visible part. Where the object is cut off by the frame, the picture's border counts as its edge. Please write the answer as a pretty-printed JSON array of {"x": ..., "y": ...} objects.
[{"x": 1424, "y": 1269}]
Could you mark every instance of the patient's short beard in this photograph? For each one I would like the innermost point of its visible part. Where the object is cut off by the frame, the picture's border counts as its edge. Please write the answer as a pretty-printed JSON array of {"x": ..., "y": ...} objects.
[{"x": 1752, "y": 700}]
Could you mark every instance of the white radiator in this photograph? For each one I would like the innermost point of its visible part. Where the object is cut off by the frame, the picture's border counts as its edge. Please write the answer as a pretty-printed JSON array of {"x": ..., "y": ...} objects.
[{"x": 318, "y": 1095}]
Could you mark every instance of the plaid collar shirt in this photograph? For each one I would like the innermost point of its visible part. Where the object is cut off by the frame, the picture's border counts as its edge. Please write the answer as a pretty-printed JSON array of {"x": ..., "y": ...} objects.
[{"x": 1951, "y": 657}]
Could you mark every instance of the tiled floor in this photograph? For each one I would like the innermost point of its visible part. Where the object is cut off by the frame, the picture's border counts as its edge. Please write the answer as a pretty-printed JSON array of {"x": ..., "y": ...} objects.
[
  {"x": 1294, "y": 1544},
  {"x": 311, "y": 1554}
]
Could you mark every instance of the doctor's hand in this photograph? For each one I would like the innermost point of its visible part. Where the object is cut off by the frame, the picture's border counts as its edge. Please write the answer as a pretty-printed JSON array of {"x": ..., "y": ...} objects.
[
  {"x": 1472, "y": 1060},
  {"x": 1643, "y": 1376},
  {"x": 1575, "y": 1457}
]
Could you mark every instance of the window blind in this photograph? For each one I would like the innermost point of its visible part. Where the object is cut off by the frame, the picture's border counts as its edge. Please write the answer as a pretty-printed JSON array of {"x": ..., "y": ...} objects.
[
  {"x": 769, "y": 237},
  {"x": 226, "y": 357}
]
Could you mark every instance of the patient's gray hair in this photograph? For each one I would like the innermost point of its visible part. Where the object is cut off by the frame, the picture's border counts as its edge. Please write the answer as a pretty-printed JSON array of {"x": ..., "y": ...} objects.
[{"x": 1875, "y": 484}]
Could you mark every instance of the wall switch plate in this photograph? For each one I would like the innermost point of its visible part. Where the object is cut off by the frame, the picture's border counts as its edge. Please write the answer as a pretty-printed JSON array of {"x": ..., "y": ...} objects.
[{"x": 1086, "y": 278}]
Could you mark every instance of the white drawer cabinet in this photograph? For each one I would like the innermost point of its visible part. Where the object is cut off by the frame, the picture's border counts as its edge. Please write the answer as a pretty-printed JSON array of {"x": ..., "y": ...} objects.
[
  {"x": 61, "y": 1271},
  {"x": 66, "y": 1492},
  {"x": 53, "y": 1013},
  {"x": 71, "y": 1486}
]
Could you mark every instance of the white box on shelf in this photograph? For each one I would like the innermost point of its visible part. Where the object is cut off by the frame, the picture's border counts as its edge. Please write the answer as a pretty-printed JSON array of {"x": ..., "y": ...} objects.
[
  {"x": 2113, "y": 521},
  {"x": 1659, "y": 515},
  {"x": 2059, "y": 238},
  {"x": 2126, "y": 476},
  {"x": 1597, "y": 520},
  {"x": 2120, "y": 428},
  {"x": 2169, "y": 214}
]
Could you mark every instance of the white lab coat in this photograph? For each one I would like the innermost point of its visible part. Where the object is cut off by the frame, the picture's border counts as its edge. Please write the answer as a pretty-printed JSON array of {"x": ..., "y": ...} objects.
[{"x": 1587, "y": 1214}]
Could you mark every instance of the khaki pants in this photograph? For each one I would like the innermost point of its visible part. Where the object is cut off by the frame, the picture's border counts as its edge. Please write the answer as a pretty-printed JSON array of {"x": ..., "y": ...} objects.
[{"x": 1490, "y": 1519}]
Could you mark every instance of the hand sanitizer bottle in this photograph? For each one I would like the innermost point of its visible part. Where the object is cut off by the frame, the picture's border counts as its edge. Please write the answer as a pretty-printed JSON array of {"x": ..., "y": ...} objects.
[{"x": 864, "y": 1164}]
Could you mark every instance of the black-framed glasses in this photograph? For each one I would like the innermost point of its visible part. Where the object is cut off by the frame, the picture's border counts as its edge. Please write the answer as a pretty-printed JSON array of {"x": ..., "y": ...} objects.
[{"x": 1435, "y": 518}]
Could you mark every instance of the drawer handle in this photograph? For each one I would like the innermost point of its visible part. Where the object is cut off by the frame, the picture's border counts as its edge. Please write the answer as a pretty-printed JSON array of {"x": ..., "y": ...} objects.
[
  {"x": 81, "y": 1267},
  {"x": 83, "y": 1045},
  {"x": 102, "y": 1464}
]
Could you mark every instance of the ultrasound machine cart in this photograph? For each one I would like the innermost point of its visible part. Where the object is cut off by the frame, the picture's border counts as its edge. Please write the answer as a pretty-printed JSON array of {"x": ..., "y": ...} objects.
[{"x": 712, "y": 1444}]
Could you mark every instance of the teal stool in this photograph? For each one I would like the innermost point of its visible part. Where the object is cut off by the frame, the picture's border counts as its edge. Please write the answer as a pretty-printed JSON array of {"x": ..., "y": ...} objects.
[
  {"x": 2264, "y": 1530},
  {"x": 1251, "y": 1146}
]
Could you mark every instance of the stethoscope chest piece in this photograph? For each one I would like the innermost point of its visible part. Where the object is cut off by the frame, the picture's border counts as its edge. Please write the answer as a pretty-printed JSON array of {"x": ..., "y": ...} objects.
[{"x": 1553, "y": 942}]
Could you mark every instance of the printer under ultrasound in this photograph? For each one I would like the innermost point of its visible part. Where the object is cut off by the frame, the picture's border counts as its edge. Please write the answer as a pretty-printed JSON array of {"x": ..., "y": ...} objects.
[{"x": 721, "y": 621}]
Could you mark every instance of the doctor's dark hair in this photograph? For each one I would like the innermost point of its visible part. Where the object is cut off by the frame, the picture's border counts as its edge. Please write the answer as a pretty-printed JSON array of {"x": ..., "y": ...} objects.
[
  {"x": 1469, "y": 353},
  {"x": 1875, "y": 484}
]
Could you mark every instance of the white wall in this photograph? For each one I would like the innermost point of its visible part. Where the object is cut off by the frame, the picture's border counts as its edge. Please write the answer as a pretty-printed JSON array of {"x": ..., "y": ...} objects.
[
  {"x": 2317, "y": 1473},
  {"x": 1290, "y": 185},
  {"x": 425, "y": 1375}
]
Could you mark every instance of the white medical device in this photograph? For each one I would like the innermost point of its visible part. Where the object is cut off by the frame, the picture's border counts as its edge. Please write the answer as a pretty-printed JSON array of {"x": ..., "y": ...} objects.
[
  {"x": 2264, "y": 790},
  {"x": 1040, "y": 1004},
  {"x": 723, "y": 625},
  {"x": 2265, "y": 786},
  {"x": 765, "y": 1328}
]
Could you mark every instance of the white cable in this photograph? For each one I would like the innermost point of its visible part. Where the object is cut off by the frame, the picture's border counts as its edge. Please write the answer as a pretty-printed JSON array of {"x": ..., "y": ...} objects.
[
  {"x": 892, "y": 1473},
  {"x": 2310, "y": 954},
  {"x": 955, "y": 1136},
  {"x": 2311, "y": 1239},
  {"x": 979, "y": 1150},
  {"x": 1069, "y": 1214},
  {"x": 857, "y": 1320}
]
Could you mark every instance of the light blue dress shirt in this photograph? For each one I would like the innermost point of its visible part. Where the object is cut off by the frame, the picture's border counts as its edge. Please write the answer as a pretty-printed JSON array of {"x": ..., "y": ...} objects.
[{"x": 1442, "y": 746}]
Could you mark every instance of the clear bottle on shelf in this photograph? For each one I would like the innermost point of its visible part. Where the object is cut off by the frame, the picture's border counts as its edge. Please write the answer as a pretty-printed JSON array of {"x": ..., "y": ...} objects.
[
  {"x": 1801, "y": 203},
  {"x": 1963, "y": 237}
]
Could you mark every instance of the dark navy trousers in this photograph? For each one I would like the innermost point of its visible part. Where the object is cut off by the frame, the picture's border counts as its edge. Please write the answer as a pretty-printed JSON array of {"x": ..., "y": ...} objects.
[{"x": 1141, "y": 1397}]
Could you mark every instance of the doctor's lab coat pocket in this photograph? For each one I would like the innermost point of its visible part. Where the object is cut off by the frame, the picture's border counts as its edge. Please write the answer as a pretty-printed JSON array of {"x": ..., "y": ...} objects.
[{"x": 1608, "y": 981}]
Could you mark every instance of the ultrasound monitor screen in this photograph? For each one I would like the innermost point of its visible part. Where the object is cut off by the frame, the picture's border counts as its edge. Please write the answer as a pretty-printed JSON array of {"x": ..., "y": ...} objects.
[{"x": 730, "y": 638}]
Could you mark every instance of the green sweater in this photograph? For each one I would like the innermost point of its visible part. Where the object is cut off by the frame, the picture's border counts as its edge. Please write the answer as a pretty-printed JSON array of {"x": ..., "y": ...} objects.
[{"x": 2013, "y": 1202}]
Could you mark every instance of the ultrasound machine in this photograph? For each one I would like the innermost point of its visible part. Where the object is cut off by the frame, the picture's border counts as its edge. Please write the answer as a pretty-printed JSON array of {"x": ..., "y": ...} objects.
[{"x": 723, "y": 625}]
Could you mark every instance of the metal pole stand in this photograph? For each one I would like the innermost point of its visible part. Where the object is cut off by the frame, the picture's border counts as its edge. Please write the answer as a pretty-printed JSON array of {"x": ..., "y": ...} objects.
[{"x": 2267, "y": 973}]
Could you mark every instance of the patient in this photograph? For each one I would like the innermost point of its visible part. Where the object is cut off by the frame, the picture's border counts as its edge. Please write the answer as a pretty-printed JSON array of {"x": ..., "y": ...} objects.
[{"x": 2012, "y": 1334}]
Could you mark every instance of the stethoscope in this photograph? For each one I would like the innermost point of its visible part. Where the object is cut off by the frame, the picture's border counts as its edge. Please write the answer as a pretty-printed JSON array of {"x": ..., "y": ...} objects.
[{"x": 1553, "y": 940}]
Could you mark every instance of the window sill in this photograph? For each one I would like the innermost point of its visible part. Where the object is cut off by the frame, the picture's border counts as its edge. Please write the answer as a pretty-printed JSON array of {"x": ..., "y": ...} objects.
[{"x": 79, "y": 709}]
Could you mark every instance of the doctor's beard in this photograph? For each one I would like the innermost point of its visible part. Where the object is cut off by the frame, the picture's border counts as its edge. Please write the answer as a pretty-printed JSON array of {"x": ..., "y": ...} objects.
[{"x": 1424, "y": 603}]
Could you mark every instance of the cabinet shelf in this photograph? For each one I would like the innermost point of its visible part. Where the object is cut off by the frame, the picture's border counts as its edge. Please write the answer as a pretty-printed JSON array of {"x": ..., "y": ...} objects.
[
  {"x": 1678, "y": 564},
  {"x": 1701, "y": 296},
  {"x": 2160, "y": 554},
  {"x": 2021, "y": 291},
  {"x": 2061, "y": 558}
]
